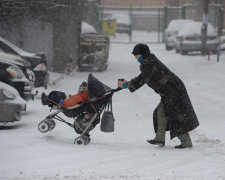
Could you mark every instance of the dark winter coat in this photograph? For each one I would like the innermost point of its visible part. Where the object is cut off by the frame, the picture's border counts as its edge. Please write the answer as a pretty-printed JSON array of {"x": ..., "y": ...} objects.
[{"x": 177, "y": 105}]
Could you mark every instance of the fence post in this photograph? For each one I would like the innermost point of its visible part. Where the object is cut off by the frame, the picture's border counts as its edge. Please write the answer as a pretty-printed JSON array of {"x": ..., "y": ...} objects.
[
  {"x": 159, "y": 12},
  {"x": 204, "y": 26},
  {"x": 100, "y": 19},
  {"x": 183, "y": 12},
  {"x": 97, "y": 19},
  {"x": 130, "y": 22},
  {"x": 165, "y": 22},
  {"x": 220, "y": 27}
]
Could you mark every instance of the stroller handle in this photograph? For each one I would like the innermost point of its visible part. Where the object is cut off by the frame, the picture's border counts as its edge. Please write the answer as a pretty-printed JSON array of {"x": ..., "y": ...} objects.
[
  {"x": 111, "y": 92},
  {"x": 117, "y": 89}
]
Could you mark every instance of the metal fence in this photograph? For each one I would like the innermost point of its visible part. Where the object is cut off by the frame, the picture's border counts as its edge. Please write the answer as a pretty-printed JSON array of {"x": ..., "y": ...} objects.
[{"x": 147, "y": 24}]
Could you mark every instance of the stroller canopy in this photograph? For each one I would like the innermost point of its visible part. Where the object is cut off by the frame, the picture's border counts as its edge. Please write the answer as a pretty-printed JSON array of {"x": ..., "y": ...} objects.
[{"x": 96, "y": 89}]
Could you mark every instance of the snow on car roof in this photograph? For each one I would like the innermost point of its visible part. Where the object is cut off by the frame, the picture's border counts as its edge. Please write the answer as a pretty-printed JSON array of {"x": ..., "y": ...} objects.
[
  {"x": 87, "y": 28},
  {"x": 13, "y": 59},
  {"x": 17, "y": 49},
  {"x": 194, "y": 28},
  {"x": 177, "y": 24}
]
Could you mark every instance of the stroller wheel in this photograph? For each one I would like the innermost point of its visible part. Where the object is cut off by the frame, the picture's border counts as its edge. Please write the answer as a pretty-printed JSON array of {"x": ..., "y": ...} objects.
[
  {"x": 52, "y": 125},
  {"x": 82, "y": 140},
  {"x": 43, "y": 126},
  {"x": 46, "y": 125},
  {"x": 87, "y": 139},
  {"x": 79, "y": 141}
]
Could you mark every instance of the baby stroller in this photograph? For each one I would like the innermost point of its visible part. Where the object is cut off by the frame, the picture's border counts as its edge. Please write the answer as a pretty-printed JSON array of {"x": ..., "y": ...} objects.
[{"x": 87, "y": 115}]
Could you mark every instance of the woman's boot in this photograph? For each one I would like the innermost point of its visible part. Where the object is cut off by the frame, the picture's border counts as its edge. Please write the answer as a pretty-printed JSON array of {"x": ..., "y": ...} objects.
[{"x": 185, "y": 141}]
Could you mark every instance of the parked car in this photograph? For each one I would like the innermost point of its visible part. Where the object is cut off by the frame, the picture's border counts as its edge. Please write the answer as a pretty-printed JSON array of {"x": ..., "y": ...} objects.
[
  {"x": 94, "y": 50},
  {"x": 23, "y": 64},
  {"x": 189, "y": 38},
  {"x": 11, "y": 104},
  {"x": 38, "y": 61},
  {"x": 11, "y": 74},
  {"x": 172, "y": 30}
]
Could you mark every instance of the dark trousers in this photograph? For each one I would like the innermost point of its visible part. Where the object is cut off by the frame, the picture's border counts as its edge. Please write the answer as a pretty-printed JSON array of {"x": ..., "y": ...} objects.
[{"x": 161, "y": 131}]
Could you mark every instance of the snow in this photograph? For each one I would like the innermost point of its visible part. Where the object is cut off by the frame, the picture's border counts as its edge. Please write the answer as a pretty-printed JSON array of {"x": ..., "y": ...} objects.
[
  {"x": 17, "y": 49},
  {"x": 176, "y": 24},
  {"x": 194, "y": 28},
  {"x": 17, "y": 99},
  {"x": 28, "y": 154},
  {"x": 87, "y": 28},
  {"x": 13, "y": 59}
]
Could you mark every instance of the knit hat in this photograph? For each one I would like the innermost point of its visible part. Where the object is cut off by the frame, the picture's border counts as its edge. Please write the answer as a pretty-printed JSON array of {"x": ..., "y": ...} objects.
[{"x": 141, "y": 49}]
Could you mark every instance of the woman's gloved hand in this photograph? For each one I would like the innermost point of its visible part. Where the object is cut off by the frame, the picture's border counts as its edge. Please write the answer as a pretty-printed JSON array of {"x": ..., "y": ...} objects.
[{"x": 122, "y": 83}]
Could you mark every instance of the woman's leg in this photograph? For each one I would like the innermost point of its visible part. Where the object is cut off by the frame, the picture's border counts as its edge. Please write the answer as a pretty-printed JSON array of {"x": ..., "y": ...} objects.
[
  {"x": 161, "y": 127},
  {"x": 162, "y": 122},
  {"x": 185, "y": 141}
]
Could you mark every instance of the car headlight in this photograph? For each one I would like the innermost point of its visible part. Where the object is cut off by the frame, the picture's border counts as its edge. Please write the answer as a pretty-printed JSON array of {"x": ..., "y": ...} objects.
[
  {"x": 8, "y": 94},
  {"x": 40, "y": 67},
  {"x": 15, "y": 72}
]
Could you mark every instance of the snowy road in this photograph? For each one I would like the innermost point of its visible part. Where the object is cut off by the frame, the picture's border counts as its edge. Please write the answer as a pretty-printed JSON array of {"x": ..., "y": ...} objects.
[{"x": 28, "y": 154}]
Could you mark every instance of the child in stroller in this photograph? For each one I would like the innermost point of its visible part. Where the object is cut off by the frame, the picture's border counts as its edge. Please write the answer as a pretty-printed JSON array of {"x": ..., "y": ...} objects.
[
  {"x": 85, "y": 108},
  {"x": 58, "y": 99}
]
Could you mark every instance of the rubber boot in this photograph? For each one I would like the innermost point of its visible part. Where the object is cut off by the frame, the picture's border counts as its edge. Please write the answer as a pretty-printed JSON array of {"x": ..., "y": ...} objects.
[
  {"x": 161, "y": 131},
  {"x": 185, "y": 141}
]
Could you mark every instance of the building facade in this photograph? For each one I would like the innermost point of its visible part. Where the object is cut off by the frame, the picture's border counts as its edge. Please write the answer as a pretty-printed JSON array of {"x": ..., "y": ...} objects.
[
  {"x": 133, "y": 3},
  {"x": 194, "y": 13}
]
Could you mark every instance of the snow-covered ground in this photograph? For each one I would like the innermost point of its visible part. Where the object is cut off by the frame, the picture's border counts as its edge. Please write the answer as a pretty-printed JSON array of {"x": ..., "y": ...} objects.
[{"x": 28, "y": 154}]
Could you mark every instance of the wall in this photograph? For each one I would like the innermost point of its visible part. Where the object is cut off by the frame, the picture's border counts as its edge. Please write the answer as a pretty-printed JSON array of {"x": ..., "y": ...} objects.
[
  {"x": 52, "y": 27},
  {"x": 31, "y": 35}
]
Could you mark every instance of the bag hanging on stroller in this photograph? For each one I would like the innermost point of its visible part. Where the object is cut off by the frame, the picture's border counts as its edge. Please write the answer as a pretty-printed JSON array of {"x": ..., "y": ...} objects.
[{"x": 107, "y": 121}]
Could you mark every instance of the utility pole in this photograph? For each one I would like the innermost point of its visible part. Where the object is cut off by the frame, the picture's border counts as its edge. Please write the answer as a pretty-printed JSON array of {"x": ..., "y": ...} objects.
[
  {"x": 204, "y": 26},
  {"x": 220, "y": 27}
]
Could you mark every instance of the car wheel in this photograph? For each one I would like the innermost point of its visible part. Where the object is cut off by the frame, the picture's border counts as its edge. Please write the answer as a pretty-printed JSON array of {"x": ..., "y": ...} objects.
[
  {"x": 183, "y": 52},
  {"x": 177, "y": 50},
  {"x": 168, "y": 48}
]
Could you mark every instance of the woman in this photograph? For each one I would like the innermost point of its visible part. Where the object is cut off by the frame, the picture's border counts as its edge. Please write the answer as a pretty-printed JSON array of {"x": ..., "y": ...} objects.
[{"x": 174, "y": 112}]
